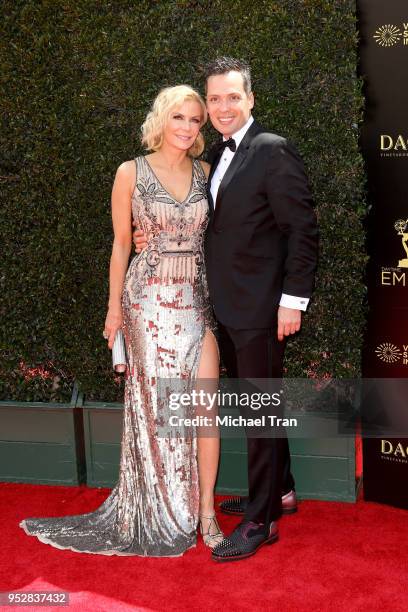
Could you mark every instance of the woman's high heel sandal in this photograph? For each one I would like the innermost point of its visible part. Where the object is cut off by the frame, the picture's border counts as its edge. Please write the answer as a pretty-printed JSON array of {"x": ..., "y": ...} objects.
[{"x": 211, "y": 539}]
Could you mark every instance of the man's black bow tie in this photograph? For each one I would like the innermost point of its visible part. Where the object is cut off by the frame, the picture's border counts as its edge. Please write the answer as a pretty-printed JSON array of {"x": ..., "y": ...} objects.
[{"x": 228, "y": 143}]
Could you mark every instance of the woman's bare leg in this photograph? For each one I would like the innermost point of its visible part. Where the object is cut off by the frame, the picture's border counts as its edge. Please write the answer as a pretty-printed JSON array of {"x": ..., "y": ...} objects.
[{"x": 208, "y": 442}]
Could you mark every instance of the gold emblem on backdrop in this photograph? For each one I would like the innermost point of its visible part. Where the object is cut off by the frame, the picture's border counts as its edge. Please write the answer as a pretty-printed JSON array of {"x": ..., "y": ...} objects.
[
  {"x": 393, "y": 277},
  {"x": 389, "y": 35},
  {"x": 388, "y": 352},
  {"x": 401, "y": 227}
]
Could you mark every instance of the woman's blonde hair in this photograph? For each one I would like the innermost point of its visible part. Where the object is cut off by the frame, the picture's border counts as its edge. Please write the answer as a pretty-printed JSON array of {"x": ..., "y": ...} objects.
[{"x": 167, "y": 99}]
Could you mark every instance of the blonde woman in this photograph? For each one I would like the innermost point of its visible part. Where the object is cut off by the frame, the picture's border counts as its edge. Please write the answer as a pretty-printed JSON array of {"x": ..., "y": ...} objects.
[{"x": 161, "y": 304}]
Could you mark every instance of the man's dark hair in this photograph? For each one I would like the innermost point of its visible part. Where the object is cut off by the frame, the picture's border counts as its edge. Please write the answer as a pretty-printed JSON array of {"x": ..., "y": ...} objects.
[{"x": 222, "y": 65}]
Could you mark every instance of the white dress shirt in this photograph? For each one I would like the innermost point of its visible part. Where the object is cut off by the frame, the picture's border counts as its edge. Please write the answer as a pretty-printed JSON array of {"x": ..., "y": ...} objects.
[
  {"x": 289, "y": 301},
  {"x": 226, "y": 159}
]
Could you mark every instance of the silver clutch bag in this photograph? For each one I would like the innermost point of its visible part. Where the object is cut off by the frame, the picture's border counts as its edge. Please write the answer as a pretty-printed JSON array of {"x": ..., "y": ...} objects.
[{"x": 119, "y": 357}]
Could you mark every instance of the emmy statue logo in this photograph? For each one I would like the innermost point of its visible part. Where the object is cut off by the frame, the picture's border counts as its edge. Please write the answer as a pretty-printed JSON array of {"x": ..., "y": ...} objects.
[{"x": 401, "y": 227}]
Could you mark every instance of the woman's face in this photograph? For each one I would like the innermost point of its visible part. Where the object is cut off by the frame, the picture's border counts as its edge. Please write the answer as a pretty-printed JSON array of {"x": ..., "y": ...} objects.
[{"x": 183, "y": 125}]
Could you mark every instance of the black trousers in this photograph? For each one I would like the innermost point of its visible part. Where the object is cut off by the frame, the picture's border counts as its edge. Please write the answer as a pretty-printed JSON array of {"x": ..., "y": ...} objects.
[{"x": 257, "y": 353}]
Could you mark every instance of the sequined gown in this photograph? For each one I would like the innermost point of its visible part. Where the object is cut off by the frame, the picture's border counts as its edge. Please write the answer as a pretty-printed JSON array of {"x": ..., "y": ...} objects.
[{"x": 153, "y": 508}]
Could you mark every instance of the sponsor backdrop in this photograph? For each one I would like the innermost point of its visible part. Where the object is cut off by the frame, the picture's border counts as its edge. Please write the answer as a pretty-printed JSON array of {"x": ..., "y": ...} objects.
[{"x": 383, "y": 62}]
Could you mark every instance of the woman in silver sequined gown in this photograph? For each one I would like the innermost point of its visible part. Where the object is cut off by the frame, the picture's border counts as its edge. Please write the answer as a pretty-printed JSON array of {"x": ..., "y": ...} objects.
[{"x": 161, "y": 303}]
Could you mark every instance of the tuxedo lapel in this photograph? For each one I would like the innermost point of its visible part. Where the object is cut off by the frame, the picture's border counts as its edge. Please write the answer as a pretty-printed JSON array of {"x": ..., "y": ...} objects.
[
  {"x": 210, "y": 199},
  {"x": 237, "y": 160},
  {"x": 214, "y": 164}
]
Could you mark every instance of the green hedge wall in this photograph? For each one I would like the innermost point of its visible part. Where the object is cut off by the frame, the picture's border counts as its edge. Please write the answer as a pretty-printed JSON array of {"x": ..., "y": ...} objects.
[{"x": 78, "y": 78}]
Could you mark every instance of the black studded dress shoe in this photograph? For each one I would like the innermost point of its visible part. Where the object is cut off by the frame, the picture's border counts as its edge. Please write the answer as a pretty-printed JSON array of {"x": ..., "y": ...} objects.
[
  {"x": 234, "y": 505},
  {"x": 244, "y": 541},
  {"x": 238, "y": 505}
]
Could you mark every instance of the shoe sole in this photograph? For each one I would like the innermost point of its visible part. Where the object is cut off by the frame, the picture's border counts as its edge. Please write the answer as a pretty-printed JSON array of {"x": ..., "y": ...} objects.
[
  {"x": 270, "y": 540},
  {"x": 232, "y": 512},
  {"x": 290, "y": 510},
  {"x": 240, "y": 513}
]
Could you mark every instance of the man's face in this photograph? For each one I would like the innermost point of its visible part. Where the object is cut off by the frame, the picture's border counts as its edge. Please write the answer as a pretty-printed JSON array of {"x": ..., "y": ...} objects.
[{"x": 228, "y": 105}]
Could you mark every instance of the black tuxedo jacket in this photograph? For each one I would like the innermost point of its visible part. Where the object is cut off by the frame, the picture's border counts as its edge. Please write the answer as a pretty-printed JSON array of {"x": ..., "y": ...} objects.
[{"x": 261, "y": 240}]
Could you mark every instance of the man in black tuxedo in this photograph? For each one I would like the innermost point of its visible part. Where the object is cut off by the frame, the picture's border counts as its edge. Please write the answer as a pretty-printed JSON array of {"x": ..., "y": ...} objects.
[{"x": 261, "y": 253}]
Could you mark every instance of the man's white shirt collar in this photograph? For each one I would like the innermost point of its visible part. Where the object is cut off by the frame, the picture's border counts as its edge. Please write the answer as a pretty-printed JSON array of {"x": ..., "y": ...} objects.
[
  {"x": 238, "y": 136},
  {"x": 226, "y": 158}
]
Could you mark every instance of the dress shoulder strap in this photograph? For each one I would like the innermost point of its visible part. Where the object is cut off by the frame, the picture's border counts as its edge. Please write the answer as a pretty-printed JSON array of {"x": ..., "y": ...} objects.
[
  {"x": 201, "y": 173},
  {"x": 140, "y": 171},
  {"x": 139, "y": 165},
  {"x": 142, "y": 167}
]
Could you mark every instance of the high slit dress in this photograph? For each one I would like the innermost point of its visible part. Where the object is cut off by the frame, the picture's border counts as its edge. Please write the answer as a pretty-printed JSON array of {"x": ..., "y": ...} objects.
[{"x": 153, "y": 508}]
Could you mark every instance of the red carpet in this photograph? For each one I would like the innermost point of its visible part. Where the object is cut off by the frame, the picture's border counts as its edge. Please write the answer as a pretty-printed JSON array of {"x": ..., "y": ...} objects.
[{"x": 330, "y": 557}]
